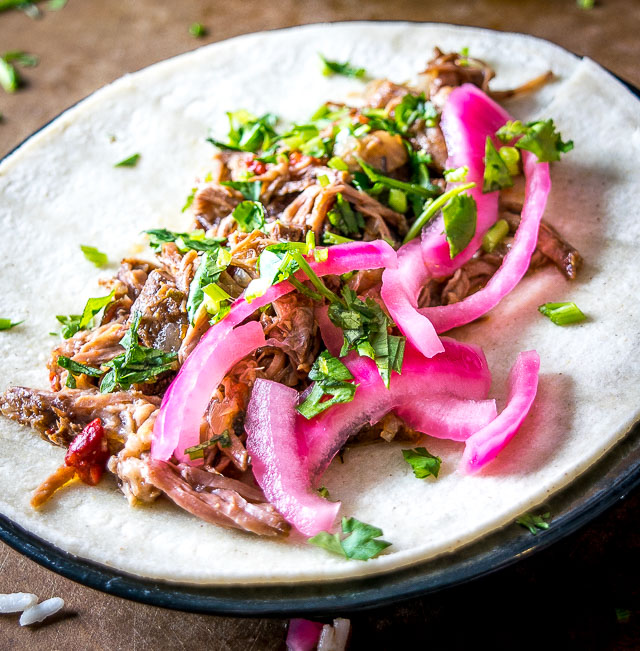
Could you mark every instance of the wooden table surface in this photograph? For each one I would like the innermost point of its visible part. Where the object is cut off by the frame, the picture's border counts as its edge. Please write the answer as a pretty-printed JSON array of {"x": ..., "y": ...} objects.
[{"x": 566, "y": 596}]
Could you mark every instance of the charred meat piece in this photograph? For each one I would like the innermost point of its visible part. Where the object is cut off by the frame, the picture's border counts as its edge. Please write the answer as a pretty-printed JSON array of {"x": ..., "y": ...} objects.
[
  {"x": 163, "y": 323},
  {"x": 559, "y": 251},
  {"x": 380, "y": 92},
  {"x": 453, "y": 69},
  {"x": 59, "y": 416},
  {"x": 212, "y": 203},
  {"x": 220, "y": 506}
]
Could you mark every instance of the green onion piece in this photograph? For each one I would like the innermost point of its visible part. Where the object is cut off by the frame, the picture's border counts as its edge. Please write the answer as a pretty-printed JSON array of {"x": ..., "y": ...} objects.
[
  {"x": 456, "y": 175},
  {"x": 431, "y": 208},
  {"x": 324, "y": 180},
  {"x": 333, "y": 238},
  {"x": 410, "y": 188},
  {"x": 197, "y": 451},
  {"x": 56, "y": 5},
  {"x": 92, "y": 254},
  {"x": 197, "y": 30},
  {"x": 337, "y": 163},
  {"x": 622, "y": 614},
  {"x": 495, "y": 235},
  {"x": 586, "y": 4},
  {"x": 533, "y": 522},
  {"x": 397, "y": 200},
  {"x": 315, "y": 281},
  {"x": 562, "y": 313},
  {"x": 9, "y": 78},
  {"x": 131, "y": 161},
  {"x": 7, "y": 324},
  {"x": 511, "y": 158}
]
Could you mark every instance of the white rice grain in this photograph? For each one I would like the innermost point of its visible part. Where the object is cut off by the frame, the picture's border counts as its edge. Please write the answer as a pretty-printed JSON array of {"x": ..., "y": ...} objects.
[
  {"x": 41, "y": 611},
  {"x": 17, "y": 602}
]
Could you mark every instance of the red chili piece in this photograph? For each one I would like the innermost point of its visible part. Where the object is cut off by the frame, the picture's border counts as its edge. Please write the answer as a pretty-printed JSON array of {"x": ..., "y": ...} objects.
[
  {"x": 256, "y": 166},
  {"x": 88, "y": 453}
]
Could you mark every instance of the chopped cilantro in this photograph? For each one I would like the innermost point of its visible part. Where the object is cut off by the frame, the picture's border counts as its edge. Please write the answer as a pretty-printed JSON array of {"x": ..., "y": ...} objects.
[
  {"x": 197, "y": 30},
  {"x": 533, "y": 522},
  {"x": 361, "y": 544},
  {"x": 195, "y": 240},
  {"x": 496, "y": 172},
  {"x": 212, "y": 263},
  {"x": 460, "y": 214},
  {"x": 324, "y": 492},
  {"x": 197, "y": 451},
  {"x": 343, "y": 217},
  {"x": 330, "y": 378},
  {"x": 72, "y": 323},
  {"x": 365, "y": 329},
  {"x": 422, "y": 462},
  {"x": 562, "y": 313},
  {"x": 249, "y": 215},
  {"x": 250, "y": 190},
  {"x": 336, "y": 68},
  {"x": 7, "y": 324},
  {"x": 248, "y": 132},
  {"x": 540, "y": 138},
  {"x": 75, "y": 368},
  {"x": 413, "y": 108},
  {"x": 189, "y": 200},
  {"x": 138, "y": 364},
  {"x": 337, "y": 164},
  {"x": 131, "y": 161},
  {"x": 92, "y": 254}
]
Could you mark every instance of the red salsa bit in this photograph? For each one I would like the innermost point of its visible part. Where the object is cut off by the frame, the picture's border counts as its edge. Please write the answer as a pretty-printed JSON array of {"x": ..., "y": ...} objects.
[
  {"x": 256, "y": 166},
  {"x": 88, "y": 453}
]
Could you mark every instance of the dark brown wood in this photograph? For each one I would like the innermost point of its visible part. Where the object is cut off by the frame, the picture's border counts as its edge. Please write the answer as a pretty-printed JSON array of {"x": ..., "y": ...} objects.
[{"x": 563, "y": 598}]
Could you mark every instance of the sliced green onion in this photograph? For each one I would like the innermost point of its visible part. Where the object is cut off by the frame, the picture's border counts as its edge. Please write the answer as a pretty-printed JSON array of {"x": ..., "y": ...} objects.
[
  {"x": 495, "y": 235},
  {"x": 562, "y": 313},
  {"x": 324, "y": 180},
  {"x": 197, "y": 30},
  {"x": 334, "y": 238},
  {"x": 432, "y": 207},
  {"x": 397, "y": 200},
  {"x": 337, "y": 163},
  {"x": 131, "y": 161},
  {"x": 7, "y": 324},
  {"x": 315, "y": 281},
  {"x": 511, "y": 158}
]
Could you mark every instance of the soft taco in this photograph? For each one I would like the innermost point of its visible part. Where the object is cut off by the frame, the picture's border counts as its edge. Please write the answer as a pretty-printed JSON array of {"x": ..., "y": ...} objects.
[{"x": 370, "y": 275}]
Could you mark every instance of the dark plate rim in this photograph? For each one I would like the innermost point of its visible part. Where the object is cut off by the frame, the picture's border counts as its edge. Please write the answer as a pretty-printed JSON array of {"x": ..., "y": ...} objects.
[{"x": 610, "y": 479}]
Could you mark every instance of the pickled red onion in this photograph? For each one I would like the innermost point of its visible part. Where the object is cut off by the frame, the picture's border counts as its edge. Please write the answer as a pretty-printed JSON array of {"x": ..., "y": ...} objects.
[
  {"x": 303, "y": 635},
  {"x": 484, "y": 445}
]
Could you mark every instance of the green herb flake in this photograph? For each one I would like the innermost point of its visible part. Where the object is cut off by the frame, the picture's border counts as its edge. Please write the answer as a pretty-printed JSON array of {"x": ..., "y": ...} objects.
[
  {"x": 336, "y": 163},
  {"x": 72, "y": 323},
  {"x": 250, "y": 190},
  {"x": 496, "y": 172},
  {"x": 189, "y": 200},
  {"x": 562, "y": 313},
  {"x": 95, "y": 256},
  {"x": 7, "y": 324},
  {"x": 249, "y": 215},
  {"x": 414, "y": 108},
  {"x": 197, "y": 30},
  {"x": 410, "y": 188},
  {"x": 460, "y": 215},
  {"x": 9, "y": 78},
  {"x": 424, "y": 463},
  {"x": 333, "y": 238},
  {"x": 533, "y": 522},
  {"x": 131, "y": 161},
  {"x": 585, "y": 4},
  {"x": 138, "y": 364},
  {"x": 456, "y": 175},
  {"x": 398, "y": 200},
  {"x": 56, "y": 5},
  {"x": 359, "y": 544},
  {"x": 330, "y": 378},
  {"x": 622, "y": 615},
  {"x": 540, "y": 138},
  {"x": 75, "y": 368},
  {"x": 336, "y": 68},
  {"x": 195, "y": 240},
  {"x": 248, "y": 132},
  {"x": 323, "y": 492},
  {"x": 197, "y": 451},
  {"x": 211, "y": 265}
]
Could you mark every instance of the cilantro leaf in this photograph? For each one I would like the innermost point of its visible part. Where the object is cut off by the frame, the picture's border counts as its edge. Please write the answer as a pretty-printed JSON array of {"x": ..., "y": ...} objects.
[
  {"x": 248, "y": 132},
  {"x": 7, "y": 324},
  {"x": 413, "y": 108},
  {"x": 195, "y": 240},
  {"x": 72, "y": 323},
  {"x": 197, "y": 451},
  {"x": 75, "y": 368},
  {"x": 533, "y": 522},
  {"x": 331, "y": 379},
  {"x": 540, "y": 138},
  {"x": 249, "y": 215},
  {"x": 360, "y": 544},
  {"x": 496, "y": 172},
  {"x": 337, "y": 68},
  {"x": 459, "y": 215},
  {"x": 138, "y": 364},
  {"x": 131, "y": 161},
  {"x": 422, "y": 462},
  {"x": 212, "y": 263},
  {"x": 92, "y": 254},
  {"x": 249, "y": 189}
]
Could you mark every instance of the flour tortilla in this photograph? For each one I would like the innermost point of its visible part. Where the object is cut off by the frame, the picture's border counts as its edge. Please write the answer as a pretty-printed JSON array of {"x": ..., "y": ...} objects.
[{"x": 60, "y": 190}]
